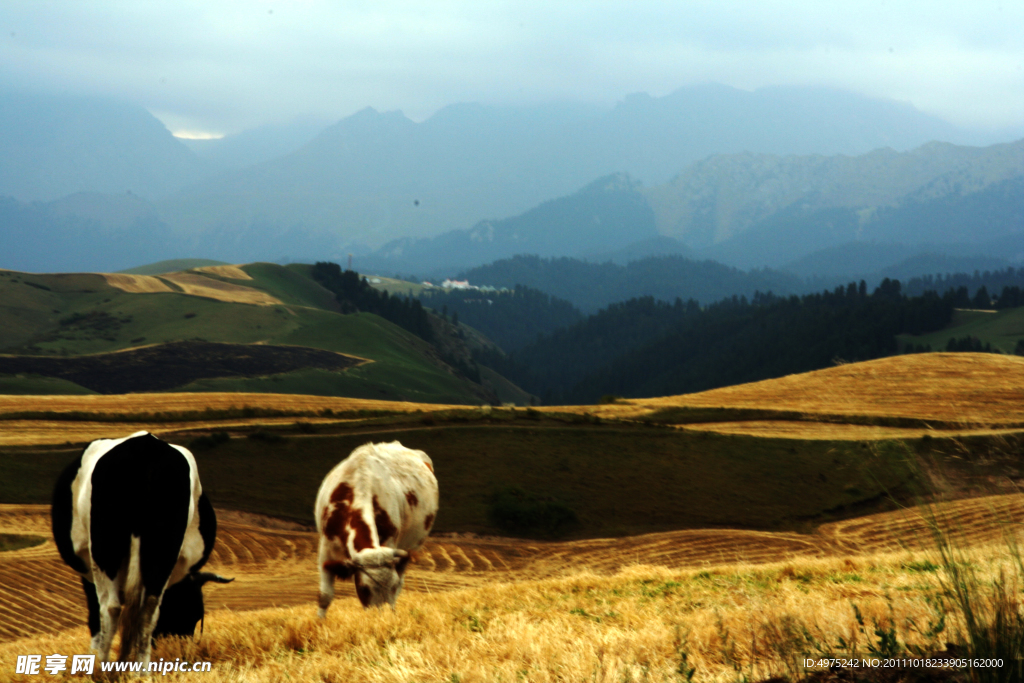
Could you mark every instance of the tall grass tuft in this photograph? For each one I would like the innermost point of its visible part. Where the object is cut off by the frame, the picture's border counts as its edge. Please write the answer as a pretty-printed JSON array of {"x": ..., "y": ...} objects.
[
  {"x": 991, "y": 621},
  {"x": 981, "y": 599}
]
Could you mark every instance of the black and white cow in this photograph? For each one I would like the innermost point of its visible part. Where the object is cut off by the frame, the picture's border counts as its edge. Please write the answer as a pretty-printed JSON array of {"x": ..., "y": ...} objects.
[
  {"x": 131, "y": 517},
  {"x": 373, "y": 508}
]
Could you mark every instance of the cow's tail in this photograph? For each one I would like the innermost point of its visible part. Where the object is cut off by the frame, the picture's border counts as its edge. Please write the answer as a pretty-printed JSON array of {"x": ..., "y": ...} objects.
[{"x": 131, "y": 606}]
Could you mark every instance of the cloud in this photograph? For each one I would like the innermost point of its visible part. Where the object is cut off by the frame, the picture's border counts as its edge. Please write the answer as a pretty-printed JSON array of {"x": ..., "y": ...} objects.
[{"x": 221, "y": 67}]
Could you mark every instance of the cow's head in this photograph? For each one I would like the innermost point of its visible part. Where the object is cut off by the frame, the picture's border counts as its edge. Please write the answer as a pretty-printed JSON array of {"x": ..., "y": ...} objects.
[
  {"x": 378, "y": 574},
  {"x": 182, "y": 605}
]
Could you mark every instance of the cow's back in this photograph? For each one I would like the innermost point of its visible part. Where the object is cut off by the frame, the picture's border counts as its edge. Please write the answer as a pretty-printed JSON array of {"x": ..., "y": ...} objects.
[
  {"x": 142, "y": 488},
  {"x": 393, "y": 484},
  {"x": 139, "y": 487}
]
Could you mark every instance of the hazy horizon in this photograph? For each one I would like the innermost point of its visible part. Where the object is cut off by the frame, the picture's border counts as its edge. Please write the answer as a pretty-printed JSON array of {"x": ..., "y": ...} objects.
[{"x": 211, "y": 70}]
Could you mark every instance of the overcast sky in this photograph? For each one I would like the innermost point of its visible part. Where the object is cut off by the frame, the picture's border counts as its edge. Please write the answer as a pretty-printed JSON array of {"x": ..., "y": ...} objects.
[{"x": 220, "y": 66}]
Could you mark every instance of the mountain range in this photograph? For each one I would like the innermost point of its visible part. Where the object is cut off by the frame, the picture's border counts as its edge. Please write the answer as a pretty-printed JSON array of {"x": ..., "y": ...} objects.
[
  {"x": 750, "y": 179},
  {"x": 828, "y": 216}
]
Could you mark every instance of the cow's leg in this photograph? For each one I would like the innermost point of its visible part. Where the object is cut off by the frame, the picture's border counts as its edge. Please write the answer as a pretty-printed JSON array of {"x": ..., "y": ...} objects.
[
  {"x": 109, "y": 605},
  {"x": 326, "y": 594},
  {"x": 149, "y": 616},
  {"x": 93, "y": 603},
  {"x": 326, "y": 591}
]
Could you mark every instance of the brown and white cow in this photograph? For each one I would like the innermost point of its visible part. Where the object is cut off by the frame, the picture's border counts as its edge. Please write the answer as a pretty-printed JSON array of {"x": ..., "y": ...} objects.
[{"x": 373, "y": 508}]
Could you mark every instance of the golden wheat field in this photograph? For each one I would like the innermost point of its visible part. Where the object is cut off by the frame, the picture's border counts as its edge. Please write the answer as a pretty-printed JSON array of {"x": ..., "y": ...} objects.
[
  {"x": 702, "y": 605},
  {"x": 967, "y": 388},
  {"x": 234, "y": 272},
  {"x": 51, "y": 429},
  {"x": 195, "y": 284},
  {"x": 136, "y": 284},
  {"x": 967, "y": 393},
  {"x": 183, "y": 402},
  {"x": 489, "y": 609}
]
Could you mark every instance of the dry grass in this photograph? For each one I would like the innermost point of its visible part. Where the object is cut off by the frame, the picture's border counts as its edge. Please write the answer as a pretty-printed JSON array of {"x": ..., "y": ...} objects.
[
  {"x": 51, "y": 432},
  {"x": 616, "y": 594},
  {"x": 230, "y": 272},
  {"x": 973, "y": 390},
  {"x": 183, "y": 402},
  {"x": 199, "y": 285},
  {"x": 739, "y": 604},
  {"x": 977, "y": 393},
  {"x": 969, "y": 388},
  {"x": 195, "y": 284},
  {"x": 831, "y": 431},
  {"x": 136, "y": 284},
  {"x": 51, "y": 429},
  {"x": 730, "y": 621}
]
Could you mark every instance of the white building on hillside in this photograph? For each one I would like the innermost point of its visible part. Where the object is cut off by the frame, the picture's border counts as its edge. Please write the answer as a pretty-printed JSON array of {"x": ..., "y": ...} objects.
[{"x": 457, "y": 284}]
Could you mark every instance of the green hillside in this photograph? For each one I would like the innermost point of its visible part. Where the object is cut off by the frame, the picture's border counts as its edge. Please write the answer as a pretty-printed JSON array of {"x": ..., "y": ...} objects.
[
  {"x": 36, "y": 385},
  {"x": 290, "y": 284},
  {"x": 71, "y": 315},
  {"x": 1003, "y": 329}
]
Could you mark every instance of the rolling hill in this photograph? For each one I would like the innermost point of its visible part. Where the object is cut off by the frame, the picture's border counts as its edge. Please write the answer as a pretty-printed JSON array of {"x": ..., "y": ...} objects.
[
  {"x": 52, "y": 319},
  {"x": 1003, "y": 330}
]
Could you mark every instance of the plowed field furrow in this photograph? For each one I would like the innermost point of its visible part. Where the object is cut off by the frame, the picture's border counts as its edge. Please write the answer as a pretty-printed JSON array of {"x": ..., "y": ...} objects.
[
  {"x": 425, "y": 560},
  {"x": 442, "y": 560},
  {"x": 44, "y": 551},
  {"x": 482, "y": 561},
  {"x": 25, "y": 615},
  {"x": 246, "y": 549},
  {"x": 256, "y": 546},
  {"x": 462, "y": 561},
  {"x": 977, "y": 520},
  {"x": 24, "y": 524}
]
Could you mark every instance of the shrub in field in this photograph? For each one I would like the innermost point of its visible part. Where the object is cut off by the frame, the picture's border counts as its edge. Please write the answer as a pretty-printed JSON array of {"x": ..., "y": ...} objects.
[
  {"x": 209, "y": 441},
  {"x": 267, "y": 437}
]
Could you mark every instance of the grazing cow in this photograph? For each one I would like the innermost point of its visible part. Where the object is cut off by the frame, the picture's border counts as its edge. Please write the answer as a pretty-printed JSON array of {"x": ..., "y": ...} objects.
[
  {"x": 372, "y": 508},
  {"x": 131, "y": 517}
]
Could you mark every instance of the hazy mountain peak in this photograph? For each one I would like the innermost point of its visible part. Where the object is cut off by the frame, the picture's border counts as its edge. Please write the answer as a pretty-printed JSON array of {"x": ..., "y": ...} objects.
[
  {"x": 257, "y": 145},
  {"x": 762, "y": 209},
  {"x": 368, "y": 116},
  {"x": 613, "y": 182},
  {"x": 56, "y": 145}
]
